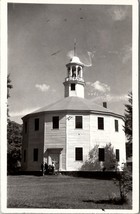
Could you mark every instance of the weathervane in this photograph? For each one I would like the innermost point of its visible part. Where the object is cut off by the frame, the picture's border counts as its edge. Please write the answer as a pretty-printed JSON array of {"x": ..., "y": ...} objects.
[{"x": 74, "y": 47}]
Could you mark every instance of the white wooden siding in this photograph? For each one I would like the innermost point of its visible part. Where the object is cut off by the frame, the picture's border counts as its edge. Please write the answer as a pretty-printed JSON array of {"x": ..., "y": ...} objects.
[
  {"x": 68, "y": 138},
  {"x": 56, "y": 138},
  {"x": 34, "y": 139},
  {"x": 90, "y": 136},
  {"x": 77, "y": 138},
  {"x": 108, "y": 135}
]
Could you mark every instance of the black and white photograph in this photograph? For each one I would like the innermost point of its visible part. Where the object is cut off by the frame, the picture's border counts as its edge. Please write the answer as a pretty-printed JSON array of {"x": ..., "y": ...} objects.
[{"x": 70, "y": 71}]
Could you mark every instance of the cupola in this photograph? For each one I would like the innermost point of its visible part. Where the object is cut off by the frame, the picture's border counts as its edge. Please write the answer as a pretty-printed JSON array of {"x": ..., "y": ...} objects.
[{"x": 74, "y": 82}]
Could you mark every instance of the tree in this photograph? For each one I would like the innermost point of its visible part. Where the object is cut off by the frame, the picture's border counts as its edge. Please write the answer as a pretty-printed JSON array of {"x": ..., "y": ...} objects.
[
  {"x": 128, "y": 125},
  {"x": 93, "y": 163},
  {"x": 9, "y": 86},
  {"x": 14, "y": 138},
  {"x": 124, "y": 181},
  {"x": 14, "y": 145}
]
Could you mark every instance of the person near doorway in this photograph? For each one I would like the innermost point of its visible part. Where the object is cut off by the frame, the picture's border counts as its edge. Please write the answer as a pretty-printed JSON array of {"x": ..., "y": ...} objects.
[
  {"x": 46, "y": 168},
  {"x": 42, "y": 168},
  {"x": 53, "y": 168}
]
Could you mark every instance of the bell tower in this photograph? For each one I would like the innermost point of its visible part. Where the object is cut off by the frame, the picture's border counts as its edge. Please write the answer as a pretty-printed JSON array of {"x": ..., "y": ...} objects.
[{"x": 74, "y": 83}]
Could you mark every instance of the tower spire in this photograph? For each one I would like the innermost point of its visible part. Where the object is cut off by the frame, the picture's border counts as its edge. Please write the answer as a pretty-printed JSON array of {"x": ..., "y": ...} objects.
[
  {"x": 74, "y": 83},
  {"x": 74, "y": 47}
]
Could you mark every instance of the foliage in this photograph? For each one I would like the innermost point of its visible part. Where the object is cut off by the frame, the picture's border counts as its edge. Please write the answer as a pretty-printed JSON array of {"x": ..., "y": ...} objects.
[
  {"x": 92, "y": 163},
  {"x": 14, "y": 138},
  {"x": 9, "y": 86},
  {"x": 128, "y": 125},
  {"x": 124, "y": 181},
  {"x": 14, "y": 132}
]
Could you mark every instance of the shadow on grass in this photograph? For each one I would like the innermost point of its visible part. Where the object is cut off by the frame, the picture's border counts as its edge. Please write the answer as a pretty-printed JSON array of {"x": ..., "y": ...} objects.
[{"x": 115, "y": 201}]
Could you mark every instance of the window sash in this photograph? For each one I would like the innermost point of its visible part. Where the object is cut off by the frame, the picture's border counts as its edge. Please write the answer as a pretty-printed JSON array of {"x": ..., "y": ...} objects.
[
  {"x": 35, "y": 154},
  {"x": 72, "y": 86},
  {"x": 78, "y": 122},
  {"x": 116, "y": 126},
  {"x": 117, "y": 155},
  {"x": 101, "y": 123},
  {"x": 101, "y": 154},
  {"x": 36, "y": 124},
  {"x": 79, "y": 154},
  {"x": 56, "y": 122}
]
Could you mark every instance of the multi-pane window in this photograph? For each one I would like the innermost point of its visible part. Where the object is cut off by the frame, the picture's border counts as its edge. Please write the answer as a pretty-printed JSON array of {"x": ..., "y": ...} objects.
[
  {"x": 100, "y": 123},
  {"x": 78, "y": 122},
  {"x": 24, "y": 156},
  {"x": 72, "y": 86},
  {"x": 117, "y": 155},
  {"x": 79, "y": 154},
  {"x": 35, "y": 154},
  {"x": 56, "y": 122},
  {"x": 101, "y": 154},
  {"x": 25, "y": 126},
  {"x": 36, "y": 124},
  {"x": 116, "y": 126}
]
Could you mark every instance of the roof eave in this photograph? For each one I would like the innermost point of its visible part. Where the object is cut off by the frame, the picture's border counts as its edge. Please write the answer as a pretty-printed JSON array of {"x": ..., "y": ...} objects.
[{"x": 75, "y": 110}]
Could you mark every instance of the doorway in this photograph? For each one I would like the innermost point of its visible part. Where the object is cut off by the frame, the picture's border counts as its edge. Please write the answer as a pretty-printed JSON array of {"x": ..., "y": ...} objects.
[{"x": 54, "y": 156}]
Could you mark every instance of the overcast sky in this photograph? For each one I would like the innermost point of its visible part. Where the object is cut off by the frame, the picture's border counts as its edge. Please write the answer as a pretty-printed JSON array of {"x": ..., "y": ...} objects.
[{"x": 41, "y": 41}]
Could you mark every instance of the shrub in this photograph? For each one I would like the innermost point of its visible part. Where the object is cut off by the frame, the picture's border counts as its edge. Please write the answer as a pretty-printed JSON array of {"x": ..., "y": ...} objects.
[
  {"x": 93, "y": 164},
  {"x": 124, "y": 181}
]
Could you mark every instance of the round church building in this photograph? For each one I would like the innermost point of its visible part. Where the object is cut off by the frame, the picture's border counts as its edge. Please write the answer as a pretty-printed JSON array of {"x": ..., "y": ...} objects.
[{"x": 67, "y": 131}]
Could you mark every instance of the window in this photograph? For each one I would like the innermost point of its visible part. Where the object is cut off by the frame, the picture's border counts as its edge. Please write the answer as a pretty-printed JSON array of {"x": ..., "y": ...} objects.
[
  {"x": 101, "y": 154},
  {"x": 72, "y": 87},
  {"x": 68, "y": 71},
  {"x": 56, "y": 122},
  {"x": 116, "y": 126},
  {"x": 78, "y": 154},
  {"x": 79, "y": 69},
  {"x": 100, "y": 123},
  {"x": 78, "y": 122},
  {"x": 25, "y": 127},
  {"x": 73, "y": 68},
  {"x": 36, "y": 124},
  {"x": 117, "y": 155},
  {"x": 73, "y": 71},
  {"x": 24, "y": 156},
  {"x": 35, "y": 155}
]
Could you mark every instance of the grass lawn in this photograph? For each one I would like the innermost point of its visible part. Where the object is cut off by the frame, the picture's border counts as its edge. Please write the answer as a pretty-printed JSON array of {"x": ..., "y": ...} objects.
[{"x": 61, "y": 191}]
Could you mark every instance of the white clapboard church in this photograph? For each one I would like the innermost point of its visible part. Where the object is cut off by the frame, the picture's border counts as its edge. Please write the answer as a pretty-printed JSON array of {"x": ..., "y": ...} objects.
[{"x": 66, "y": 131}]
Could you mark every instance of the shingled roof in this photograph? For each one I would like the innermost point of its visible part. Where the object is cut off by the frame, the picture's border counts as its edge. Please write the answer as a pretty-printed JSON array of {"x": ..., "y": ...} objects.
[{"x": 75, "y": 104}]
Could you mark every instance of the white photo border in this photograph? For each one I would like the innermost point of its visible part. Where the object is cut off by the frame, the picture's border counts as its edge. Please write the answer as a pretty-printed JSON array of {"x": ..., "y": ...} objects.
[{"x": 3, "y": 97}]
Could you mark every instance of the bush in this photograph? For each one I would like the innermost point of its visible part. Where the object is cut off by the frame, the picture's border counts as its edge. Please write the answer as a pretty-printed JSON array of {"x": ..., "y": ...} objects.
[
  {"x": 14, "y": 145},
  {"x": 124, "y": 181},
  {"x": 93, "y": 164}
]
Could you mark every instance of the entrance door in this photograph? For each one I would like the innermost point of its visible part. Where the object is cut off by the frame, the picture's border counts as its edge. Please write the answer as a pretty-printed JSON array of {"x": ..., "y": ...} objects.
[{"x": 55, "y": 158}]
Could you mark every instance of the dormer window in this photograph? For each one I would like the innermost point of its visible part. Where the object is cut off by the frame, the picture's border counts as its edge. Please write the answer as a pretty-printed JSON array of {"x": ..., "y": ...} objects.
[{"x": 73, "y": 87}]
